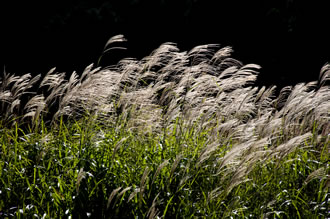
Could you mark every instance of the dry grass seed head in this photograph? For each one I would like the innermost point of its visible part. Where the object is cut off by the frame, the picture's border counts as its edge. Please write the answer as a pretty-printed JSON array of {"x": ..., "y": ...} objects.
[
  {"x": 220, "y": 55},
  {"x": 115, "y": 39},
  {"x": 175, "y": 164},
  {"x": 133, "y": 194},
  {"x": 159, "y": 168},
  {"x": 81, "y": 175},
  {"x": 207, "y": 153},
  {"x": 142, "y": 183},
  {"x": 34, "y": 107},
  {"x": 153, "y": 211},
  {"x": 112, "y": 195},
  {"x": 202, "y": 53},
  {"x": 324, "y": 77},
  {"x": 118, "y": 145},
  {"x": 234, "y": 154},
  {"x": 320, "y": 173},
  {"x": 289, "y": 146},
  {"x": 265, "y": 100}
]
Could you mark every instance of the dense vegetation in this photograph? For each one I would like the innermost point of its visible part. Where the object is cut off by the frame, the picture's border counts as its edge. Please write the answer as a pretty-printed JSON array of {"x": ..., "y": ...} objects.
[{"x": 176, "y": 134}]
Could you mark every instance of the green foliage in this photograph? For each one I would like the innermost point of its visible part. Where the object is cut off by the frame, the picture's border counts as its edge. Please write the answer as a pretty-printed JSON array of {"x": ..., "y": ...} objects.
[{"x": 83, "y": 169}]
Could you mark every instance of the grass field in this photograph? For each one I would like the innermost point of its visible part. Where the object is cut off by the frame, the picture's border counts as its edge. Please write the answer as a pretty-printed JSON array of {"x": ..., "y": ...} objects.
[{"x": 174, "y": 135}]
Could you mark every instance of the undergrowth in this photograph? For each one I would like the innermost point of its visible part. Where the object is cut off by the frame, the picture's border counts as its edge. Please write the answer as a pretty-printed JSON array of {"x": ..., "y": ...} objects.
[{"x": 81, "y": 169}]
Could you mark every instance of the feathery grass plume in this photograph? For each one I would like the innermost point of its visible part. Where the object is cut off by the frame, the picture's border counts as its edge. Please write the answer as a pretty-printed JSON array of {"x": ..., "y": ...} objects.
[
  {"x": 133, "y": 194},
  {"x": 175, "y": 164},
  {"x": 81, "y": 175},
  {"x": 71, "y": 83},
  {"x": 260, "y": 93},
  {"x": 317, "y": 174},
  {"x": 15, "y": 105},
  {"x": 265, "y": 125},
  {"x": 143, "y": 115},
  {"x": 204, "y": 86},
  {"x": 128, "y": 79},
  {"x": 87, "y": 72},
  {"x": 215, "y": 193},
  {"x": 160, "y": 57},
  {"x": 287, "y": 147},
  {"x": 238, "y": 178},
  {"x": 234, "y": 154},
  {"x": 7, "y": 79},
  {"x": 146, "y": 78},
  {"x": 4, "y": 96},
  {"x": 123, "y": 192},
  {"x": 245, "y": 132},
  {"x": 324, "y": 76},
  {"x": 52, "y": 79},
  {"x": 164, "y": 94},
  {"x": 159, "y": 168},
  {"x": 115, "y": 39},
  {"x": 34, "y": 109},
  {"x": 12, "y": 91},
  {"x": 225, "y": 129},
  {"x": 282, "y": 97},
  {"x": 321, "y": 100},
  {"x": 153, "y": 211},
  {"x": 255, "y": 151},
  {"x": 272, "y": 128},
  {"x": 112, "y": 195},
  {"x": 264, "y": 100},
  {"x": 173, "y": 70},
  {"x": 55, "y": 82},
  {"x": 202, "y": 53},
  {"x": 245, "y": 109},
  {"x": 117, "y": 146},
  {"x": 221, "y": 55},
  {"x": 143, "y": 184},
  {"x": 238, "y": 104},
  {"x": 301, "y": 108},
  {"x": 243, "y": 76},
  {"x": 207, "y": 153},
  {"x": 240, "y": 163},
  {"x": 91, "y": 94}
]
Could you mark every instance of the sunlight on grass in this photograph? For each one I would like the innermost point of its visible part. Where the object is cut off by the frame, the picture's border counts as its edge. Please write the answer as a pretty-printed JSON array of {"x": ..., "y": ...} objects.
[{"x": 174, "y": 135}]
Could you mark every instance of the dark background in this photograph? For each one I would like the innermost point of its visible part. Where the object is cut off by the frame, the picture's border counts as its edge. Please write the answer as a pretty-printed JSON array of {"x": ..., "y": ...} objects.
[{"x": 288, "y": 38}]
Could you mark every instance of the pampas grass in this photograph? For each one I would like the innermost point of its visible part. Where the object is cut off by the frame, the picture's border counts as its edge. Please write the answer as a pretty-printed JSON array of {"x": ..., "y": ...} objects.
[{"x": 192, "y": 124}]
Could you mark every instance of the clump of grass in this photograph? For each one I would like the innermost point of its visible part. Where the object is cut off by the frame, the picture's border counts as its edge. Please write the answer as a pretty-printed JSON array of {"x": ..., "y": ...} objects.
[{"x": 176, "y": 134}]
